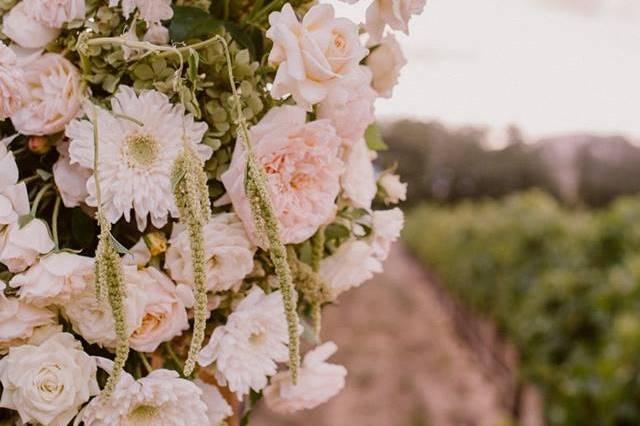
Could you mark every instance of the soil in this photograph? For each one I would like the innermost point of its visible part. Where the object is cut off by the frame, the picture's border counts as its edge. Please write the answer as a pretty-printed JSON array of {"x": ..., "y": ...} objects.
[{"x": 408, "y": 364}]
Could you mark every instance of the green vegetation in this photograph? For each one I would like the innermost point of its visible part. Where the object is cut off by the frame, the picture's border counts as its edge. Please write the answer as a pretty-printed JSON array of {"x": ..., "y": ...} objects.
[
  {"x": 564, "y": 287},
  {"x": 453, "y": 164}
]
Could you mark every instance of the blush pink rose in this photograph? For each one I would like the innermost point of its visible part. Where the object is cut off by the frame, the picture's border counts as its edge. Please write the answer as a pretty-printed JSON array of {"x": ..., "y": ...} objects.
[
  {"x": 56, "y": 13},
  {"x": 303, "y": 171},
  {"x": 25, "y": 30},
  {"x": 394, "y": 13},
  {"x": 71, "y": 179},
  {"x": 311, "y": 54},
  {"x": 54, "y": 96},
  {"x": 13, "y": 88},
  {"x": 349, "y": 104},
  {"x": 386, "y": 62}
]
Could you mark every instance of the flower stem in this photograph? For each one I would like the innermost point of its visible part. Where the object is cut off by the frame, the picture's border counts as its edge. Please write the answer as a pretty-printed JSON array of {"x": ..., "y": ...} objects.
[
  {"x": 174, "y": 358},
  {"x": 29, "y": 179},
  {"x": 38, "y": 198},
  {"x": 145, "y": 362},
  {"x": 54, "y": 221}
]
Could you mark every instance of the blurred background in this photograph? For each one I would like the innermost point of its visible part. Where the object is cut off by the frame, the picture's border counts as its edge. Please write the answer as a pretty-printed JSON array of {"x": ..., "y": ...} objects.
[{"x": 514, "y": 297}]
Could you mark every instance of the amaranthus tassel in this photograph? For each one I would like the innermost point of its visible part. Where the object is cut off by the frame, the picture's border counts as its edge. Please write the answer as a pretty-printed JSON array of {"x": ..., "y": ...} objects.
[
  {"x": 109, "y": 278},
  {"x": 267, "y": 222},
  {"x": 192, "y": 200}
]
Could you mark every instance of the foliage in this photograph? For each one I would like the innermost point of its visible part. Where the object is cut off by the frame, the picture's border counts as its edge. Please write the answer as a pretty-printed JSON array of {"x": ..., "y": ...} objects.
[
  {"x": 563, "y": 285},
  {"x": 450, "y": 165}
]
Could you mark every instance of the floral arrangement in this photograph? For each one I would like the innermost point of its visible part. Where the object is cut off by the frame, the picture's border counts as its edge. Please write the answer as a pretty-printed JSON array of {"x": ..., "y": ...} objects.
[{"x": 183, "y": 188}]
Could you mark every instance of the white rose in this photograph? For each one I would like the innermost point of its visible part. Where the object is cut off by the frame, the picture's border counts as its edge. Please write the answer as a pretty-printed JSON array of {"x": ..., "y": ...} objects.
[
  {"x": 164, "y": 315},
  {"x": 386, "y": 227},
  {"x": 56, "y": 13},
  {"x": 349, "y": 104},
  {"x": 55, "y": 279},
  {"x": 54, "y": 96},
  {"x": 13, "y": 88},
  {"x": 18, "y": 320},
  {"x": 313, "y": 53},
  {"x": 151, "y": 11},
  {"x": 394, "y": 190},
  {"x": 394, "y": 13},
  {"x": 20, "y": 26},
  {"x": 318, "y": 381},
  {"x": 218, "y": 408},
  {"x": 228, "y": 253},
  {"x": 350, "y": 266},
  {"x": 14, "y": 199},
  {"x": 48, "y": 383},
  {"x": 358, "y": 181},
  {"x": 385, "y": 62},
  {"x": 162, "y": 398},
  {"x": 70, "y": 179},
  {"x": 93, "y": 319},
  {"x": 20, "y": 247}
]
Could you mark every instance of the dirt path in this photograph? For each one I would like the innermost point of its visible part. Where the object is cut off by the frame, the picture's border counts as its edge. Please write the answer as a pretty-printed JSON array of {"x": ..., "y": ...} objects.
[{"x": 407, "y": 366}]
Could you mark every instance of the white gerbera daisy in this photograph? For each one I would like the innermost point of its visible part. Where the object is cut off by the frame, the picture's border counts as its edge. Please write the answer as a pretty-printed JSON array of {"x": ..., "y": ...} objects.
[
  {"x": 247, "y": 348},
  {"x": 162, "y": 399},
  {"x": 318, "y": 382},
  {"x": 218, "y": 408},
  {"x": 140, "y": 140}
]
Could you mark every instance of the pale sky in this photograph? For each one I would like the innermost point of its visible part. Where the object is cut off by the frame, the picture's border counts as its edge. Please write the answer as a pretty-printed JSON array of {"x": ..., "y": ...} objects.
[{"x": 549, "y": 66}]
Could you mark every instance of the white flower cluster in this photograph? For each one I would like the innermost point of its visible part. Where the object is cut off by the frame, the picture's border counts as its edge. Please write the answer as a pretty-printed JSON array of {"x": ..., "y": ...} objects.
[{"x": 316, "y": 166}]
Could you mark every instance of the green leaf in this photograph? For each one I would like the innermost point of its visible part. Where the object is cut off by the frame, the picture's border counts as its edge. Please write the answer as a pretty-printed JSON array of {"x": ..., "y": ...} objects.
[
  {"x": 118, "y": 246},
  {"x": 176, "y": 179},
  {"x": 373, "y": 137},
  {"x": 191, "y": 22},
  {"x": 193, "y": 61},
  {"x": 308, "y": 332},
  {"x": 336, "y": 231},
  {"x": 24, "y": 220},
  {"x": 44, "y": 175},
  {"x": 254, "y": 398},
  {"x": 242, "y": 35}
]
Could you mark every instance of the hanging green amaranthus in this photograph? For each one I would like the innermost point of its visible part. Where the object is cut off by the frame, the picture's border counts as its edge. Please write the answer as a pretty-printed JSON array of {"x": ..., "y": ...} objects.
[
  {"x": 192, "y": 199},
  {"x": 109, "y": 280},
  {"x": 267, "y": 224}
]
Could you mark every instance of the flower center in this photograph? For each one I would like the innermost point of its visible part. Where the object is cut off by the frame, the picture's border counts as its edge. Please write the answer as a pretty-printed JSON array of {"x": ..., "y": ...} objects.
[
  {"x": 48, "y": 384},
  {"x": 150, "y": 321},
  {"x": 142, "y": 149},
  {"x": 257, "y": 338},
  {"x": 143, "y": 414},
  {"x": 339, "y": 42}
]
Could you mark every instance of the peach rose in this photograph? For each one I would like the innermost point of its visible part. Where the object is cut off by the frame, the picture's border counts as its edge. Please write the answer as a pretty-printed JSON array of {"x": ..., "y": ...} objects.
[
  {"x": 313, "y": 53},
  {"x": 394, "y": 13},
  {"x": 164, "y": 316},
  {"x": 54, "y": 96},
  {"x": 349, "y": 104},
  {"x": 303, "y": 171}
]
